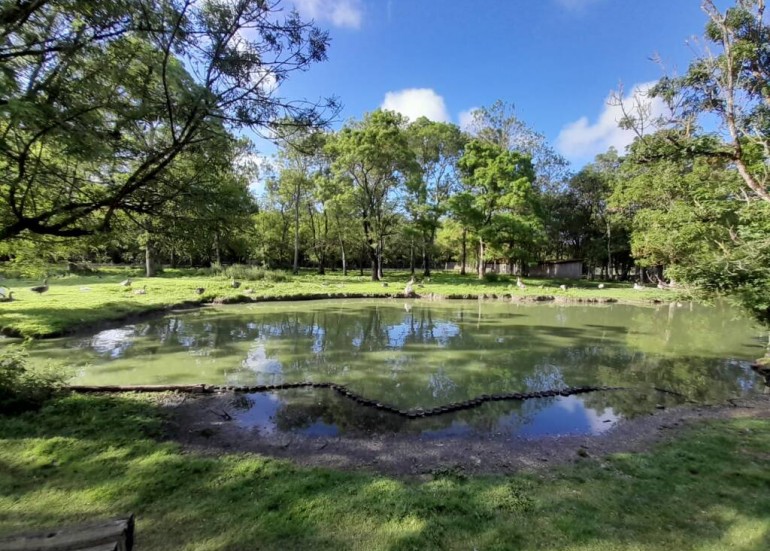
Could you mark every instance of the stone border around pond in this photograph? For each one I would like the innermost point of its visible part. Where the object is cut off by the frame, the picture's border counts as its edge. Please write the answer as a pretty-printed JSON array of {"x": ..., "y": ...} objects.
[{"x": 413, "y": 413}]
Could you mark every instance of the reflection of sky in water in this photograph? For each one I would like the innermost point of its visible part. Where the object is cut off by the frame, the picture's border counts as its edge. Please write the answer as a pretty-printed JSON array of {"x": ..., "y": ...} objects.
[
  {"x": 261, "y": 415},
  {"x": 439, "y": 332},
  {"x": 568, "y": 415},
  {"x": 269, "y": 371},
  {"x": 561, "y": 416},
  {"x": 318, "y": 342},
  {"x": 112, "y": 342},
  {"x": 745, "y": 376}
]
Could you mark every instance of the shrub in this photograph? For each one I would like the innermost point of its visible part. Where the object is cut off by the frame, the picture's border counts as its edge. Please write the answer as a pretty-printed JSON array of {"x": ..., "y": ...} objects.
[
  {"x": 253, "y": 273},
  {"x": 491, "y": 277},
  {"x": 23, "y": 388}
]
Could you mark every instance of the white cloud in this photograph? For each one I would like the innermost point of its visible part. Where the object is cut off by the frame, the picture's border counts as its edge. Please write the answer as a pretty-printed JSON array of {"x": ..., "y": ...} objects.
[
  {"x": 582, "y": 140},
  {"x": 340, "y": 13},
  {"x": 465, "y": 119},
  {"x": 417, "y": 102}
]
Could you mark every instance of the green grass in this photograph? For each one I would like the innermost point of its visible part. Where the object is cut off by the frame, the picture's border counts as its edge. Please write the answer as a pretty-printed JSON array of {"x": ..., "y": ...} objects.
[
  {"x": 75, "y": 301},
  {"x": 86, "y": 457}
]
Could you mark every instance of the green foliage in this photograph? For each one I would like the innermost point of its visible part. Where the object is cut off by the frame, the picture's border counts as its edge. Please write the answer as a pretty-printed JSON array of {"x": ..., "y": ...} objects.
[
  {"x": 498, "y": 124},
  {"x": 252, "y": 273},
  {"x": 375, "y": 157},
  {"x": 728, "y": 79},
  {"x": 24, "y": 388},
  {"x": 106, "y": 112},
  {"x": 437, "y": 148},
  {"x": 689, "y": 214},
  {"x": 498, "y": 202}
]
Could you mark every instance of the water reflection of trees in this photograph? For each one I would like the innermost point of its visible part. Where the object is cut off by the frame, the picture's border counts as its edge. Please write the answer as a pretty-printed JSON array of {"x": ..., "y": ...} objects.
[
  {"x": 301, "y": 411},
  {"x": 432, "y": 354}
]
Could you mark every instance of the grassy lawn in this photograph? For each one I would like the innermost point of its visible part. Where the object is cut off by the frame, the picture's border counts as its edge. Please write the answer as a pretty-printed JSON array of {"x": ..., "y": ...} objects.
[
  {"x": 90, "y": 457},
  {"x": 73, "y": 301}
]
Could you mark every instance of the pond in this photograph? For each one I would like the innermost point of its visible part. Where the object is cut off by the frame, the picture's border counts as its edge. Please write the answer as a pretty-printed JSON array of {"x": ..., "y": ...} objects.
[{"x": 427, "y": 354}]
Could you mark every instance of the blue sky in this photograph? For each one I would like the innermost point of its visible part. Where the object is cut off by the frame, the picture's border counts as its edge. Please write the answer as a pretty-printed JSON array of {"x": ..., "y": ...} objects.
[{"x": 555, "y": 60}]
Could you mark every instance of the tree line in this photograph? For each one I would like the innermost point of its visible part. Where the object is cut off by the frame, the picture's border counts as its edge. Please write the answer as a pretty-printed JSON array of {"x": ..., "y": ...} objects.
[{"x": 119, "y": 140}]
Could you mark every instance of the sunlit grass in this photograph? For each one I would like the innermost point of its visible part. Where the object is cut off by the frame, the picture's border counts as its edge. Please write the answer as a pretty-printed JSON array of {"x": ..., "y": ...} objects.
[
  {"x": 90, "y": 457},
  {"x": 75, "y": 301}
]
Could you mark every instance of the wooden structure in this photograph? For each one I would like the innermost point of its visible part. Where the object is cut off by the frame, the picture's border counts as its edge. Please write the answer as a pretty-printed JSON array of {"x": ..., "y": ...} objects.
[
  {"x": 109, "y": 535},
  {"x": 559, "y": 269}
]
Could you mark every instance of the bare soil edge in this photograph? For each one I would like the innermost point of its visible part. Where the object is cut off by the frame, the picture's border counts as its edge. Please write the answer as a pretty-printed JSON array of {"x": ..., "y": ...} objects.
[
  {"x": 154, "y": 312},
  {"x": 193, "y": 422}
]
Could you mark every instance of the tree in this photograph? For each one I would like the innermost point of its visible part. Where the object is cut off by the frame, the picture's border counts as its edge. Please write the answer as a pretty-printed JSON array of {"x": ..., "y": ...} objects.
[
  {"x": 583, "y": 224},
  {"x": 689, "y": 214},
  {"x": 437, "y": 147},
  {"x": 215, "y": 206},
  {"x": 499, "y": 124},
  {"x": 301, "y": 157},
  {"x": 99, "y": 102},
  {"x": 374, "y": 156},
  {"x": 732, "y": 84},
  {"x": 727, "y": 80},
  {"x": 498, "y": 193},
  {"x": 339, "y": 203}
]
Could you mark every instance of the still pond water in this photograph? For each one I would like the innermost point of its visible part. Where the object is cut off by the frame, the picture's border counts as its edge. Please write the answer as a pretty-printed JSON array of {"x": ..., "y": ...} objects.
[{"x": 426, "y": 354}]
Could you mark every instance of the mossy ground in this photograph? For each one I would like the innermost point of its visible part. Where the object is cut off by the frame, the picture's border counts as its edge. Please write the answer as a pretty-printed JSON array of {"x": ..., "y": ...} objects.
[
  {"x": 86, "y": 457},
  {"x": 76, "y": 301}
]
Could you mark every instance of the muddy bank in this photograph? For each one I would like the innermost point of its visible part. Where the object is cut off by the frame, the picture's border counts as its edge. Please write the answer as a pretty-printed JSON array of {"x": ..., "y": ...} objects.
[{"x": 201, "y": 424}]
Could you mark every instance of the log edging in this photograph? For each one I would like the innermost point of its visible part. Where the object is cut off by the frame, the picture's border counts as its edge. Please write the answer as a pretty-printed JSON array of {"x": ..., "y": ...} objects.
[{"x": 412, "y": 413}]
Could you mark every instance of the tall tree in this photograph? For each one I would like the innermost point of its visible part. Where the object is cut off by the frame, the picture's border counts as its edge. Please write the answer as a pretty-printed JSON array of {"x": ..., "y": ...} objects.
[
  {"x": 437, "y": 147},
  {"x": 301, "y": 156},
  {"x": 731, "y": 83},
  {"x": 500, "y": 125},
  {"x": 498, "y": 190},
  {"x": 215, "y": 206},
  {"x": 99, "y": 101},
  {"x": 684, "y": 212},
  {"x": 375, "y": 157}
]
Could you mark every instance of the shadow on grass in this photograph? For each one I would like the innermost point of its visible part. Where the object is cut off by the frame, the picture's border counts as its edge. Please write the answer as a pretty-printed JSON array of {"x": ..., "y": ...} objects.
[{"x": 88, "y": 456}]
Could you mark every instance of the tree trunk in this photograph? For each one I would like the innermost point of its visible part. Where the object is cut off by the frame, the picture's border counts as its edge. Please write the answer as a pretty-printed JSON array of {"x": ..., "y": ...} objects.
[
  {"x": 427, "y": 247},
  {"x": 295, "y": 265},
  {"x": 411, "y": 256},
  {"x": 373, "y": 249},
  {"x": 609, "y": 248},
  {"x": 149, "y": 263},
  {"x": 482, "y": 263},
  {"x": 465, "y": 251},
  {"x": 380, "y": 250},
  {"x": 344, "y": 261},
  {"x": 217, "y": 249}
]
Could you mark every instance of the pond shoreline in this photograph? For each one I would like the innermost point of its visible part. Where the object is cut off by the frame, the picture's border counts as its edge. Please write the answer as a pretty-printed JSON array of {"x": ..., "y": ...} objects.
[
  {"x": 196, "y": 422},
  {"x": 162, "y": 310}
]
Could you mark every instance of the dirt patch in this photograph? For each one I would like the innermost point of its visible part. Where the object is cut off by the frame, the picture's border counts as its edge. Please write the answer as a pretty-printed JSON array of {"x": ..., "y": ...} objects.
[{"x": 200, "y": 424}]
